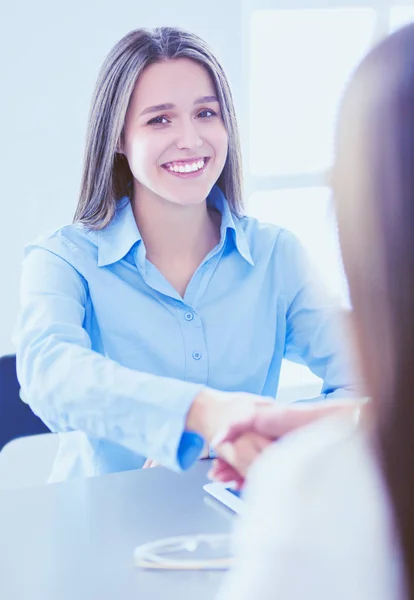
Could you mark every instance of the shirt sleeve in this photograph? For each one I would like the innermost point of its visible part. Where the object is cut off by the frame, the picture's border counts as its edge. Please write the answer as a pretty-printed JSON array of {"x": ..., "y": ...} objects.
[
  {"x": 315, "y": 325},
  {"x": 72, "y": 387}
]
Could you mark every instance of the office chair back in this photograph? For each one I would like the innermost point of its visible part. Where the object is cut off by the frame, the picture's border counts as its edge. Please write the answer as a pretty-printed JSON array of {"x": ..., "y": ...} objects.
[{"x": 16, "y": 417}]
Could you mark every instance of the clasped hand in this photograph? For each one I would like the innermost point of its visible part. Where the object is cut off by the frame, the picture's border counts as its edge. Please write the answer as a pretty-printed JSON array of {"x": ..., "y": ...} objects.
[{"x": 255, "y": 428}]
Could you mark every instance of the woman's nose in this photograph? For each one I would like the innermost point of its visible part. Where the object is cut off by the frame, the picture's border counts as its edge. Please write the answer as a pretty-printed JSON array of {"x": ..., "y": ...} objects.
[{"x": 188, "y": 136}]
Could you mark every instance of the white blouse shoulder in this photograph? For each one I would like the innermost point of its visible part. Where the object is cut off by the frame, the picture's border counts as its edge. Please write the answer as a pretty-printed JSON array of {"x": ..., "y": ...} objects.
[{"x": 318, "y": 525}]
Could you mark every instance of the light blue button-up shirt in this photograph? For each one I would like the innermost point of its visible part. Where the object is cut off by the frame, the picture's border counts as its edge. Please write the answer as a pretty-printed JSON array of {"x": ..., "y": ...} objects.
[{"x": 111, "y": 356}]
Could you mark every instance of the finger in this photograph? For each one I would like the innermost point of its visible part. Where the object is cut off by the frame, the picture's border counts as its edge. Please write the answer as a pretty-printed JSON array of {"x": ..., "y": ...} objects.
[
  {"x": 234, "y": 431},
  {"x": 276, "y": 421},
  {"x": 147, "y": 463},
  {"x": 247, "y": 453},
  {"x": 222, "y": 470},
  {"x": 260, "y": 442},
  {"x": 240, "y": 454},
  {"x": 233, "y": 480},
  {"x": 227, "y": 475},
  {"x": 218, "y": 465}
]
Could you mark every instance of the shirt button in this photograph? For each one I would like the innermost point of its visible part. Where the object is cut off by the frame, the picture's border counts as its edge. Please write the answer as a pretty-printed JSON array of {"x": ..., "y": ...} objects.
[
  {"x": 189, "y": 316},
  {"x": 196, "y": 355}
]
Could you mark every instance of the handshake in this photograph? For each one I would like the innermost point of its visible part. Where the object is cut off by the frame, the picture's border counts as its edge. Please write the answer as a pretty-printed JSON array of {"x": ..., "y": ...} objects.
[{"x": 240, "y": 426}]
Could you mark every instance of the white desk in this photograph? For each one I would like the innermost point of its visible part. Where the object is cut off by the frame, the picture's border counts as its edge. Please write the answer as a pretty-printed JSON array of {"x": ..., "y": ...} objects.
[{"x": 75, "y": 540}]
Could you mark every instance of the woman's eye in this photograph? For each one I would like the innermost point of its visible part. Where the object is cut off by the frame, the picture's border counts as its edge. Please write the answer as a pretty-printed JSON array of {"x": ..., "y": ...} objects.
[
  {"x": 207, "y": 113},
  {"x": 158, "y": 121}
]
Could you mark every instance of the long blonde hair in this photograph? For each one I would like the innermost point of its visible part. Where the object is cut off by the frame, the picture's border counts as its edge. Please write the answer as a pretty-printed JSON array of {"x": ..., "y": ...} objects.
[{"x": 106, "y": 173}]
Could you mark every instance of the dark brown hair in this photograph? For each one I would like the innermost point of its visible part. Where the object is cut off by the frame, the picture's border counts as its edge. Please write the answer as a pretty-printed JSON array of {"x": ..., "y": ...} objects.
[
  {"x": 373, "y": 182},
  {"x": 106, "y": 174}
]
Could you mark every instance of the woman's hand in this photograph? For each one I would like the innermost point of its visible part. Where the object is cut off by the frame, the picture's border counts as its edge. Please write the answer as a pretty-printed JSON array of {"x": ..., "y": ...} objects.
[
  {"x": 268, "y": 422},
  {"x": 214, "y": 413},
  {"x": 235, "y": 458}
]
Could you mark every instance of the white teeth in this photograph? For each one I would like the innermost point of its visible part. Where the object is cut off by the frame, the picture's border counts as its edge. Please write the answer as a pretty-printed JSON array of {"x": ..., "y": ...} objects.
[{"x": 188, "y": 168}]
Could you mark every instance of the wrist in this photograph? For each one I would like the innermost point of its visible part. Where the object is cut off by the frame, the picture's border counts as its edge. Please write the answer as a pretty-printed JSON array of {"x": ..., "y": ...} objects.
[{"x": 202, "y": 416}]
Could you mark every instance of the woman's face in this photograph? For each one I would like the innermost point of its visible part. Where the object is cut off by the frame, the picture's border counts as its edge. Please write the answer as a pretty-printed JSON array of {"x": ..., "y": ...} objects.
[{"x": 175, "y": 140}]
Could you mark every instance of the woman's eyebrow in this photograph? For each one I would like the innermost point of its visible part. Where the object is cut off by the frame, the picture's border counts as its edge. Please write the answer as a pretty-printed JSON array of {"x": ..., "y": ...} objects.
[
  {"x": 170, "y": 106},
  {"x": 204, "y": 99},
  {"x": 157, "y": 108}
]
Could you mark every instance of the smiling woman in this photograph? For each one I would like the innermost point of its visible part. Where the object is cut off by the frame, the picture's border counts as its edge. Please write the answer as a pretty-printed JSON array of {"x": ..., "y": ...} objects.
[
  {"x": 170, "y": 83},
  {"x": 161, "y": 292},
  {"x": 185, "y": 139}
]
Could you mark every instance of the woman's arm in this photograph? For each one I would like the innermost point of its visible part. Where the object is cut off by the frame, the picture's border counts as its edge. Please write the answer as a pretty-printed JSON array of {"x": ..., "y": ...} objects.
[
  {"x": 316, "y": 329},
  {"x": 272, "y": 423},
  {"x": 72, "y": 387}
]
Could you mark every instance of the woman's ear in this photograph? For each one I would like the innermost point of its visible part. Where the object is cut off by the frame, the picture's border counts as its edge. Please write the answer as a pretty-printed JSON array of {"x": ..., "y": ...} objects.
[{"x": 120, "y": 146}]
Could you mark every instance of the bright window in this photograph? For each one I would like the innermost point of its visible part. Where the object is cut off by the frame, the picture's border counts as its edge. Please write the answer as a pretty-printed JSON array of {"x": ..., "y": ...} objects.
[
  {"x": 296, "y": 209},
  {"x": 401, "y": 15},
  {"x": 301, "y": 55},
  {"x": 300, "y": 61}
]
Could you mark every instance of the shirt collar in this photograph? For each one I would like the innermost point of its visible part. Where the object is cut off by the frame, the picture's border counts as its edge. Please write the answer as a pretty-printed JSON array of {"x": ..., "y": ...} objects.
[
  {"x": 117, "y": 238},
  {"x": 231, "y": 222}
]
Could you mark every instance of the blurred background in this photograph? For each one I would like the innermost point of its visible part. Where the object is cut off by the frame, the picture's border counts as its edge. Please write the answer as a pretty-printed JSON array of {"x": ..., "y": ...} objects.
[{"x": 287, "y": 60}]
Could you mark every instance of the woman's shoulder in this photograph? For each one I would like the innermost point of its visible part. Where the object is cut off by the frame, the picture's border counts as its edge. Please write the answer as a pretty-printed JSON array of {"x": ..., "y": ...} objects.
[
  {"x": 69, "y": 242},
  {"x": 317, "y": 522},
  {"x": 264, "y": 238},
  {"x": 261, "y": 230}
]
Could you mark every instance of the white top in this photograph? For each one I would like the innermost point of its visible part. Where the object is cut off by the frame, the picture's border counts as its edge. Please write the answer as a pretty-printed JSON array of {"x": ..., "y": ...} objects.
[{"x": 318, "y": 525}]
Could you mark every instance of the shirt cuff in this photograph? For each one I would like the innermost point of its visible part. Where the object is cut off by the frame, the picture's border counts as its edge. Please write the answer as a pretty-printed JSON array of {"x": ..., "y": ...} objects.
[
  {"x": 338, "y": 394},
  {"x": 189, "y": 449}
]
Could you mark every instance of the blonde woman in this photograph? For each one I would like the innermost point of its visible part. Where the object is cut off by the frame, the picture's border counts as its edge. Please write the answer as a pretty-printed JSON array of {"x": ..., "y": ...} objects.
[{"x": 162, "y": 292}]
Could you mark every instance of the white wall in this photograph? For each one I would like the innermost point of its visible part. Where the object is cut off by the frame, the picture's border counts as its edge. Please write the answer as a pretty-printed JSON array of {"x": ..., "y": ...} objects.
[{"x": 50, "y": 57}]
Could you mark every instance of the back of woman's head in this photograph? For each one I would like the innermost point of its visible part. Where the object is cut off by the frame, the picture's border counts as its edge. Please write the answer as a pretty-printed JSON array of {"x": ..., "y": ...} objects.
[
  {"x": 106, "y": 174},
  {"x": 373, "y": 184}
]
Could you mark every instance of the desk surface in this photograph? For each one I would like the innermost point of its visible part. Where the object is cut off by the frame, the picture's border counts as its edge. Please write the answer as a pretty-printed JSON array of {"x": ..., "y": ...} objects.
[{"x": 75, "y": 540}]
